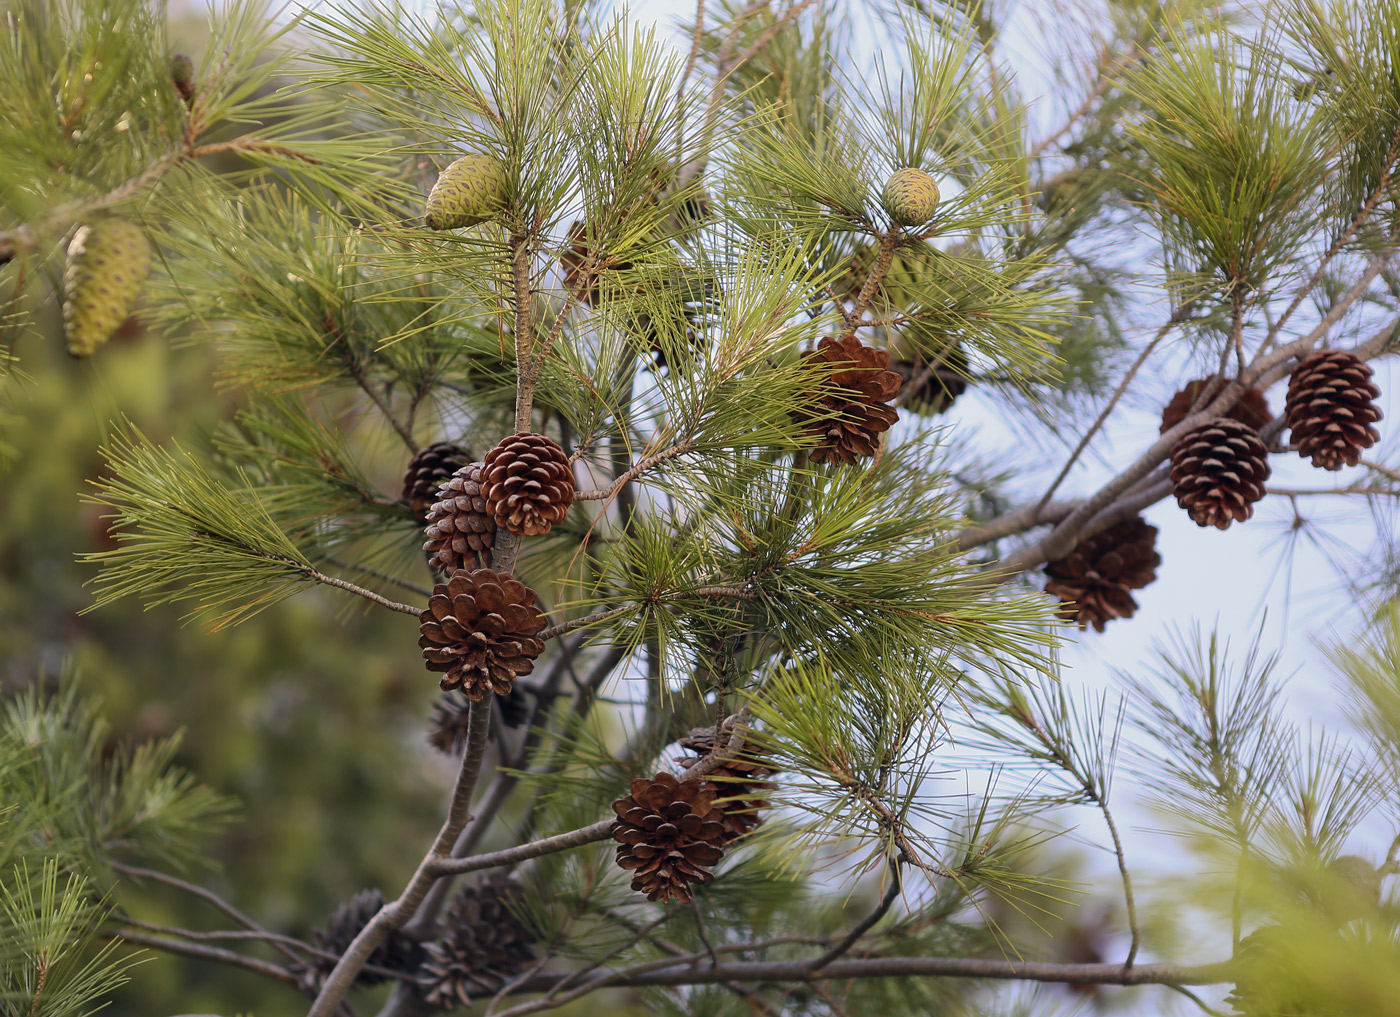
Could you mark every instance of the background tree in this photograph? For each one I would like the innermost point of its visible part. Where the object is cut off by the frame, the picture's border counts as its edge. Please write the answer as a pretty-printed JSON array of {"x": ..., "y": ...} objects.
[{"x": 654, "y": 346}]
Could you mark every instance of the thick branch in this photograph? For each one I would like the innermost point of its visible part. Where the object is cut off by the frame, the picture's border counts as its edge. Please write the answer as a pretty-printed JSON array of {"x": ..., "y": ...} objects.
[{"x": 395, "y": 915}]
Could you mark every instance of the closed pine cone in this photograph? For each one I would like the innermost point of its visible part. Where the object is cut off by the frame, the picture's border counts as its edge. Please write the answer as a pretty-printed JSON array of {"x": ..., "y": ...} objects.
[
  {"x": 584, "y": 266},
  {"x": 851, "y": 412},
  {"x": 483, "y": 944},
  {"x": 668, "y": 832},
  {"x": 396, "y": 953},
  {"x": 737, "y": 782},
  {"x": 481, "y": 629},
  {"x": 1252, "y": 408},
  {"x": 1330, "y": 408},
  {"x": 528, "y": 483},
  {"x": 460, "y": 531},
  {"x": 429, "y": 470},
  {"x": 1218, "y": 472},
  {"x": 1093, "y": 580}
]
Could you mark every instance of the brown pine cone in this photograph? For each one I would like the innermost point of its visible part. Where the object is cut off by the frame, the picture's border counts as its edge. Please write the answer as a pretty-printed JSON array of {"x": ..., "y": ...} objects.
[
  {"x": 481, "y": 628},
  {"x": 738, "y": 783},
  {"x": 460, "y": 530},
  {"x": 936, "y": 382},
  {"x": 528, "y": 483},
  {"x": 851, "y": 412},
  {"x": 1252, "y": 408},
  {"x": 1330, "y": 408},
  {"x": 427, "y": 471},
  {"x": 1093, "y": 580},
  {"x": 1218, "y": 472},
  {"x": 396, "y": 953},
  {"x": 484, "y": 944},
  {"x": 668, "y": 832}
]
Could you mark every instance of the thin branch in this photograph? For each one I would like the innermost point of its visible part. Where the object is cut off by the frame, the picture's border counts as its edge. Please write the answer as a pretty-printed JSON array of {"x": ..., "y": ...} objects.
[
  {"x": 697, "y": 973},
  {"x": 1301, "y": 492},
  {"x": 208, "y": 896},
  {"x": 1105, "y": 80},
  {"x": 611, "y": 491},
  {"x": 360, "y": 591},
  {"x": 865, "y": 924},
  {"x": 209, "y": 953},
  {"x": 1103, "y": 416},
  {"x": 696, "y": 38},
  {"x": 588, "y": 619},
  {"x": 421, "y": 591},
  {"x": 1357, "y": 221},
  {"x": 1385, "y": 471}
]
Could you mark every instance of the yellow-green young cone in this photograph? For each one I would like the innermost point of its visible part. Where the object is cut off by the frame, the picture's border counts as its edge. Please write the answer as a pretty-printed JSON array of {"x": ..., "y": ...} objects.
[
  {"x": 469, "y": 191},
  {"x": 108, "y": 261},
  {"x": 910, "y": 196}
]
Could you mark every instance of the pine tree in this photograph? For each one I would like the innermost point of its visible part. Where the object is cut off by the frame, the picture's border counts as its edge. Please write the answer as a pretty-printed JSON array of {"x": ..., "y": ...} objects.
[{"x": 694, "y": 312}]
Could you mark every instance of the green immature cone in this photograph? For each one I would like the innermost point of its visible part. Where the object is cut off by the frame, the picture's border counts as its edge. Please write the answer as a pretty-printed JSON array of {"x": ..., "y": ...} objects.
[
  {"x": 182, "y": 74},
  {"x": 910, "y": 196},
  {"x": 108, "y": 262},
  {"x": 469, "y": 191}
]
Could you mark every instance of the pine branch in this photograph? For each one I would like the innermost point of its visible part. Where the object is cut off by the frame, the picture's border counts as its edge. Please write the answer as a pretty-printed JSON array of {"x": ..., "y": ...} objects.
[
  {"x": 209, "y": 953},
  {"x": 700, "y": 972},
  {"x": 401, "y": 911},
  {"x": 210, "y": 898}
]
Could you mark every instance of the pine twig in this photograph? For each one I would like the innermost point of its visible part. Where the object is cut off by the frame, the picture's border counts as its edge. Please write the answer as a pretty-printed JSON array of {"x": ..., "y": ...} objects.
[
  {"x": 209, "y": 953},
  {"x": 360, "y": 591},
  {"x": 208, "y": 896},
  {"x": 865, "y": 924}
]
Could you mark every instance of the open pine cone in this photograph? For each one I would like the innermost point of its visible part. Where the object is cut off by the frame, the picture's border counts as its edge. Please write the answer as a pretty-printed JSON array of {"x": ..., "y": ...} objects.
[
  {"x": 1330, "y": 408},
  {"x": 1252, "y": 408},
  {"x": 668, "y": 832},
  {"x": 936, "y": 383},
  {"x": 396, "y": 953},
  {"x": 427, "y": 471},
  {"x": 528, "y": 483},
  {"x": 483, "y": 945},
  {"x": 481, "y": 629},
  {"x": 460, "y": 531},
  {"x": 1218, "y": 472},
  {"x": 1093, "y": 580},
  {"x": 852, "y": 412},
  {"x": 739, "y": 783}
]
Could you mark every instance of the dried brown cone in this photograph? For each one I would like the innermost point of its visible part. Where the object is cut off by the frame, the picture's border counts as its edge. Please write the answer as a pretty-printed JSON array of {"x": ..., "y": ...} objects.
[
  {"x": 460, "y": 530},
  {"x": 452, "y": 712},
  {"x": 851, "y": 411},
  {"x": 528, "y": 482},
  {"x": 1252, "y": 408},
  {"x": 739, "y": 783},
  {"x": 935, "y": 382},
  {"x": 584, "y": 266},
  {"x": 669, "y": 832},
  {"x": 397, "y": 952},
  {"x": 429, "y": 470},
  {"x": 482, "y": 946},
  {"x": 1330, "y": 408},
  {"x": 1093, "y": 580},
  {"x": 481, "y": 629},
  {"x": 1218, "y": 472}
]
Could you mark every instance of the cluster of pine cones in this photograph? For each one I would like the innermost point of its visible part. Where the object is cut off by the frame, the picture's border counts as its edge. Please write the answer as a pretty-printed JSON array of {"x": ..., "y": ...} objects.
[
  {"x": 480, "y": 944},
  {"x": 1218, "y": 472},
  {"x": 482, "y": 628}
]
